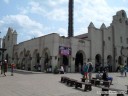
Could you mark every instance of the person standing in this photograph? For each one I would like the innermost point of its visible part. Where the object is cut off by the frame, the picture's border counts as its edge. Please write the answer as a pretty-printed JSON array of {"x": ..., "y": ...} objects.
[
  {"x": 86, "y": 71},
  {"x": 125, "y": 70},
  {"x": 61, "y": 69},
  {"x": 12, "y": 68},
  {"x": 122, "y": 70},
  {"x": 5, "y": 67},
  {"x": 1, "y": 67},
  {"x": 90, "y": 69}
]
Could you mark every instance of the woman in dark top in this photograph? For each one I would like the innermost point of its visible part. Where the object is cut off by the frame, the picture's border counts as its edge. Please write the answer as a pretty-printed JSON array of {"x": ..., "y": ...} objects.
[
  {"x": 5, "y": 67},
  {"x": 105, "y": 76}
]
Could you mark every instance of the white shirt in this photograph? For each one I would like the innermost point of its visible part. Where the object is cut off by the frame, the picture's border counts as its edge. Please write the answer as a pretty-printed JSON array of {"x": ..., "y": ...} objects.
[{"x": 61, "y": 68}]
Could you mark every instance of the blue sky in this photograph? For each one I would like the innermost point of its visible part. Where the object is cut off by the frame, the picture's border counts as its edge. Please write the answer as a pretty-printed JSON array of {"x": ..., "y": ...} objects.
[{"x": 34, "y": 18}]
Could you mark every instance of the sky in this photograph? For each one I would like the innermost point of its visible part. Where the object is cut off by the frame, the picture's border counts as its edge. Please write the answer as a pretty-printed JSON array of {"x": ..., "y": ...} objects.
[{"x": 35, "y": 18}]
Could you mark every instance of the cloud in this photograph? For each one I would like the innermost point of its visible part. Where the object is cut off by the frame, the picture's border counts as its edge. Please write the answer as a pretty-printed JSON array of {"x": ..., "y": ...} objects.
[
  {"x": 23, "y": 24},
  {"x": 97, "y": 12},
  {"x": 56, "y": 3},
  {"x": 32, "y": 7},
  {"x": 51, "y": 10},
  {"x": 57, "y": 14},
  {"x": 54, "y": 13},
  {"x": 61, "y": 31},
  {"x": 7, "y": 1}
]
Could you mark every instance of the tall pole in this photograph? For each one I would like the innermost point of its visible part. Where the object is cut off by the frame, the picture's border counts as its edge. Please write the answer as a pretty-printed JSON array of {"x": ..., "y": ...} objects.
[{"x": 70, "y": 18}]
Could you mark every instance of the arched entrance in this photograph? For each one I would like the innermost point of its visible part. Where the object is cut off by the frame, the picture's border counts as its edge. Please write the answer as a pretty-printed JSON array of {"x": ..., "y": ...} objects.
[
  {"x": 79, "y": 60},
  {"x": 98, "y": 66},
  {"x": 46, "y": 60},
  {"x": 109, "y": 63},
  {"x": 28, "y": 60},
  {"x": 20, "y": 60},
  {"x": 16, "y": 58},
  {"x": 36, "y": 60},
  {"x": 65, "y": 62},
  {"x": 120, "y": 61}
]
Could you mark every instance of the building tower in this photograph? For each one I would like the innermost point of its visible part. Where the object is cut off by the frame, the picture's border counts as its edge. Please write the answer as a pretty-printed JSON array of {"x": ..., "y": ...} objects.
[{"x": 70, "y": 19}]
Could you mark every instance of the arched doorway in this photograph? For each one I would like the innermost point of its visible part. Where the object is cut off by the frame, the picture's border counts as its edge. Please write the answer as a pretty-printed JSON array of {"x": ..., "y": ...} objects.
[
  {"x": 16, "y": 58},
  {"x": 65, "y": 62},
  {"x": 79, "y": 60},
  {"x": 120, "y": 60},
  {"x": 109, "y": 63},
  {"x": 36, "y": 60},
  {"x": 28, "y": 60},
  {"x": 20, "y": 60},
  {"x": 98, "y": 66},
  {"x": 46, "y": 60}
]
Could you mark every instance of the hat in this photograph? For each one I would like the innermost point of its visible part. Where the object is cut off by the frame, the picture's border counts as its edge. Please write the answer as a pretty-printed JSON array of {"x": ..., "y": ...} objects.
[{"x": 89, "y": 62}]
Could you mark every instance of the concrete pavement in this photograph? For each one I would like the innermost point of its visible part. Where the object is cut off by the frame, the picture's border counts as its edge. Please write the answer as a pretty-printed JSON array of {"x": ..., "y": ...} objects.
[{"x": 28, "y": 83}]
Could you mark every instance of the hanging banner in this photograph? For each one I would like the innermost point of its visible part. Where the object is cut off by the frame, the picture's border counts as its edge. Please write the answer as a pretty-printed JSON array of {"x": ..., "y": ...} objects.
[{"x": 64, "y": 50}]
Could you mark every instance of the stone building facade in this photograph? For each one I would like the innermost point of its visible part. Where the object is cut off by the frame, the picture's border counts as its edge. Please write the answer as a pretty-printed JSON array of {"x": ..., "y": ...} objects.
[{"x": 106, "y": 46}]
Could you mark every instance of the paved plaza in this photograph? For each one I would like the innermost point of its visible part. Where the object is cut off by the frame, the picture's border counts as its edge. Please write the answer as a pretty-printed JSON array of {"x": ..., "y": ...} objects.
[{"x": 25, "y": 83}]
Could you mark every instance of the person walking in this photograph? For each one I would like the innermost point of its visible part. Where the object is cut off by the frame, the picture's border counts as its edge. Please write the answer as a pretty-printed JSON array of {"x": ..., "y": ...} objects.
[
  {"x": 90, "y": 69},
  {"x": 125, "y": 70},
  {"x": 5, "y": 67},
  {"x": 12, "y": 68}
]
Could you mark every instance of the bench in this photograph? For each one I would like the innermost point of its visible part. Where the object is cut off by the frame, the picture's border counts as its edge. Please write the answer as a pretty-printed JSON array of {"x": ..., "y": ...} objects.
[
  {"x": 71, "y": 82},
  {"x": 107, "y": 83},
  {"x": 87, "y": 86},
  {"x": 92, "y": 81},
  {"x": 83, "y": 79},
  {"x": 97, "y": 82},
  {"x": 64, "y": 79},
  {"x": 105, "y": 91}
]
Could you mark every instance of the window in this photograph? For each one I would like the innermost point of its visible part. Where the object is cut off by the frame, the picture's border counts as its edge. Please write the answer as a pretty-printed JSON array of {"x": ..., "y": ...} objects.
[
  {"x": 123, "y": 14},
  {"x": 121, "y": 39},
  {"x": 8, "y": 37},
  {"x": 120, "y": 20},
  {"x": 109, "y": 38},
  {"x": 126, "y": 22}
]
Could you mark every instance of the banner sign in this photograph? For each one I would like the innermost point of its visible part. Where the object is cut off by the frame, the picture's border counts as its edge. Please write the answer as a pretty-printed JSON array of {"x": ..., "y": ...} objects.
[{"x": 64, "y": 50}]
